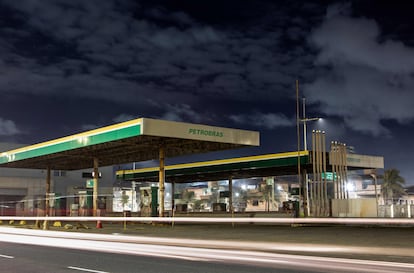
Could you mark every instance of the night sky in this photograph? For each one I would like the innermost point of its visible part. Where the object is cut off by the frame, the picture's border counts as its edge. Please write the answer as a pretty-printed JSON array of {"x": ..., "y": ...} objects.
[{"x": 68, "y": 66}]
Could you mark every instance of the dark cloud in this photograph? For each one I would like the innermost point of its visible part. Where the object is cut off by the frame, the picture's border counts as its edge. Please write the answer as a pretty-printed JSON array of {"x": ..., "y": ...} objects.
[
  {"x": 166, "y": 62},
  {"x": 8, "y": 127},
  {"x": 264, "y": 120},
  {"x": 111, "y": 51},
  {"x": 367, "y": 81},
  {"x": 67, "y": 66}
]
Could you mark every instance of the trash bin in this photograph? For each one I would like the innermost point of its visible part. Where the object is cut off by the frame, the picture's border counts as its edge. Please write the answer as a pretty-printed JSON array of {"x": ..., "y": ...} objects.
[
  {"x": 74, "y": 210},
  {"x": 219, "y": 207},
  {"x": 292, "y": 207},
  {"x": 296, "y": 209}
]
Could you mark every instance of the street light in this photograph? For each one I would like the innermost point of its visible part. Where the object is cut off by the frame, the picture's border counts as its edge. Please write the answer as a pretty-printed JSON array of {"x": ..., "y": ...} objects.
[{"x": 305, "y": 120}]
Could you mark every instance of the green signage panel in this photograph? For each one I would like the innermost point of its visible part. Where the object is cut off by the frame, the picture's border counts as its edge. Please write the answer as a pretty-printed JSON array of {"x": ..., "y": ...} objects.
[
  {"x": 89, "y": 183},
  {"x": 329, "y": 176}
]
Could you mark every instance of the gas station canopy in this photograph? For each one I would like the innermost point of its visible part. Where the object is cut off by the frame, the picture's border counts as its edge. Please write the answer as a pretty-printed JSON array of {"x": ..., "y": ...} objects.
[
  {"x": 236, "y": 168},
  {"x": 132, "y": 141},
  {"x": 245, "y": 167}
]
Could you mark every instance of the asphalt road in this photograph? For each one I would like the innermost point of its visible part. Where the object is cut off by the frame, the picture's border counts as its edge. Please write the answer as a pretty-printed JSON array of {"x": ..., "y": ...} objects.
[
  {"x": 31, "y": 251},
  {"x": 357, "y": 242},
  {"x": 21, "y": 258}
]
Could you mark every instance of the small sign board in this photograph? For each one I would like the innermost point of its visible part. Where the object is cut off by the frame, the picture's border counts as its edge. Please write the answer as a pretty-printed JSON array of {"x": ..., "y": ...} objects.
[
  {"x": 89, "y": 183},
  {"x": 294, "y": 191}
]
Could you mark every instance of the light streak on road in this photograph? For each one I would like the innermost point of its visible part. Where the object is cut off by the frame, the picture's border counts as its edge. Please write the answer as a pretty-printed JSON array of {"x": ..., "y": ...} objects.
[
  {"x": 240, "y": 245},
  {"x": 125, "y": 245},
  {"x": 218, "y": 220}
]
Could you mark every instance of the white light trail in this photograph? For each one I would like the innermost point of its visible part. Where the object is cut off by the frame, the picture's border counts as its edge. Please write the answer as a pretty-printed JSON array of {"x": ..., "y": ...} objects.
[
  {"x": 128, "y": 245},
  {"x": 216, "y": 220}
]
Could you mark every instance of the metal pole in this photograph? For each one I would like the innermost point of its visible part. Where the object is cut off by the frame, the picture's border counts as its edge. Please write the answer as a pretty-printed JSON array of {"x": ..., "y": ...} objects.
[
  {"x": 334, "y": 149},
  {"x": 306, "y": 195},
  {"x": 172, "y": 197},
  {"x": 305, "y": 147},
  {"x": 339, "y": 158},
  {"x": 273, "y": 194},
  {"x": 305, "y": 144},
  {"x": 341, "y": 172},
  {"x": 298, "y": 140},
  {"x": 46, "y": 223},
  {"x": 325, "y": 183},
  {"x": 134, "y": 192},
  {"x": 345, "y": 171},
  {"x": 95, "y": 185},
  {"x": 319, "y": 171},
  {"x": 312, "y": 189},
  {"x": 318, "y": 174},
  {"x": 231, "y": 194},
  {"x": 162, "y": 179},
  {"x": 375, "y": 188},
  {"x": 47, "y": 201}
]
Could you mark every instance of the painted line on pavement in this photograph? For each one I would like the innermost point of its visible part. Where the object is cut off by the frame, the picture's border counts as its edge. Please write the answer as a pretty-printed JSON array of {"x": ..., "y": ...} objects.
[
  {"x": 6, "y": 256},
  {"x": 86, "y": 269}
]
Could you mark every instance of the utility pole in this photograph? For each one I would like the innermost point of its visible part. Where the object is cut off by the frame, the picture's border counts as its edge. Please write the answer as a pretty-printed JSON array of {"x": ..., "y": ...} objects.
[
  {"x": 304, "y": 120},
  {"x": 298, "y": 140}
]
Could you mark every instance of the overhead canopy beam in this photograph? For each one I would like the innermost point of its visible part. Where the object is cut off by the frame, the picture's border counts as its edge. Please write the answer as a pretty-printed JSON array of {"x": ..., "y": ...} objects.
[{"x": 131, "y": 141}]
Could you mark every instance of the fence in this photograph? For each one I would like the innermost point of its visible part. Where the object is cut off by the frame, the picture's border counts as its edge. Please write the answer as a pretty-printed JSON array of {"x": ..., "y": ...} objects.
[{"x": 396, "y": 211}]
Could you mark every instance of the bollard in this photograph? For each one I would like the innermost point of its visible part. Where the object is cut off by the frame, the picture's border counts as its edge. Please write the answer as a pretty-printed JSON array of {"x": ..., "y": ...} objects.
[
  {"x": 98, "y": 223},
  {"x": 45, "y": 225}
]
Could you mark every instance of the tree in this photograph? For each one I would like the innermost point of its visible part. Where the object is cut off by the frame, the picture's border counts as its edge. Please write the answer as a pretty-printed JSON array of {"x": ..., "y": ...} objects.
[
  {"x": 392, "y": 185},
  {"x": 124, "y": 200},
  {"x": 267, "y": 193},
  {"x": 188, "y": 196}
]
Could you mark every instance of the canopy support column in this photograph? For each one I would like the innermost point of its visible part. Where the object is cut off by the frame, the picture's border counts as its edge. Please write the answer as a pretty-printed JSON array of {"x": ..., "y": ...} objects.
[
  {"x": 231, "y": 194},
  {"x": 172, "y": 198},
  {"x": 95, "y": 185},
  {"x": 47, "y": 201},
  {"x": 162, "y": 179}
]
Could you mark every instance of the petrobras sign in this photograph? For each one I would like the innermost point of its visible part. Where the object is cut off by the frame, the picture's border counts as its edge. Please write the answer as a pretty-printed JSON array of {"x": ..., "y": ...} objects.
[
  {"x": 163, "y": 128},
  {"x": 194, "y": 131}
]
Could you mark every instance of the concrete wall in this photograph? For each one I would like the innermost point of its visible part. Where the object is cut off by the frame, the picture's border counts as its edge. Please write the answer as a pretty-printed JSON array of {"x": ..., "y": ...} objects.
[
  {"x": 354, "y": 207},
  {"x": 24, "y": 189},
  {"x": 33, "y": 187}
]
